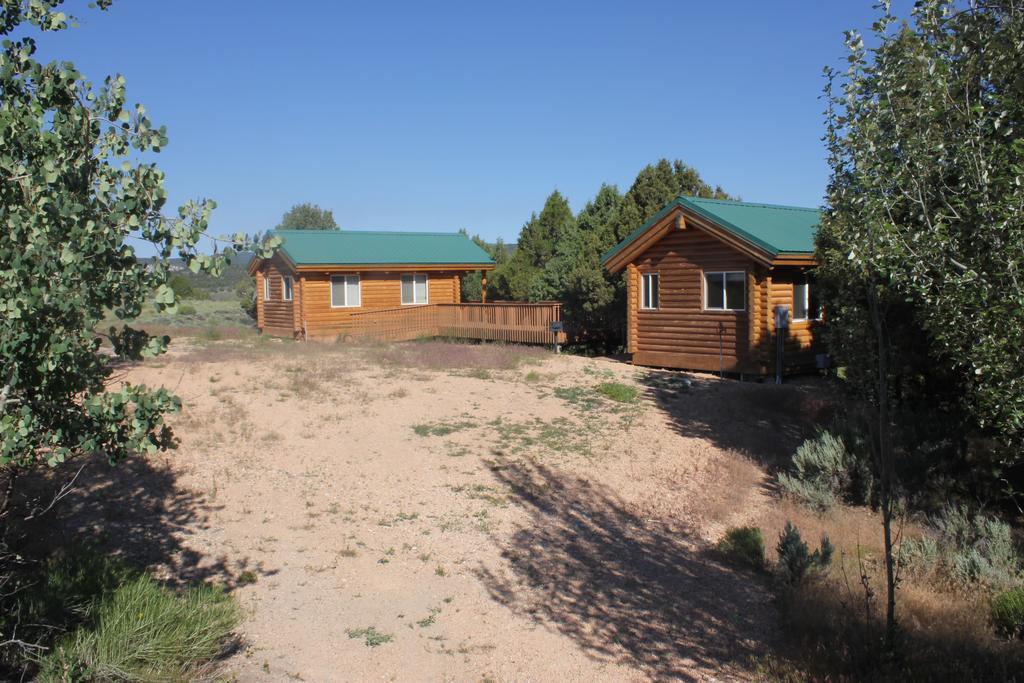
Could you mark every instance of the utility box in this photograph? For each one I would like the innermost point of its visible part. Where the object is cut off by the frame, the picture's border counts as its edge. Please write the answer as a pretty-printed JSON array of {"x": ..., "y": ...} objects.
[{"x": 781, "y": 317}]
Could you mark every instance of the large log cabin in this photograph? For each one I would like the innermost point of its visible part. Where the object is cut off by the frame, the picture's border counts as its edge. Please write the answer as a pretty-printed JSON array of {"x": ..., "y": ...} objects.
[
  {"x": 705, "y": 279},
  {"x": 317, "y": 279}
]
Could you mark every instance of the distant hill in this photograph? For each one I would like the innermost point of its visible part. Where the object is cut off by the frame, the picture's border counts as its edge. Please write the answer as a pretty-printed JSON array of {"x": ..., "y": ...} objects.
[{"x": 227, "y": 282}]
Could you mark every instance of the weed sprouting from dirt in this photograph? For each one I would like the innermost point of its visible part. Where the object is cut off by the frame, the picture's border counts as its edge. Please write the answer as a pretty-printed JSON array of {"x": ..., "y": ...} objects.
[
  {"x": 370, "y": 635},
  {"x": 442, "y": 428}
]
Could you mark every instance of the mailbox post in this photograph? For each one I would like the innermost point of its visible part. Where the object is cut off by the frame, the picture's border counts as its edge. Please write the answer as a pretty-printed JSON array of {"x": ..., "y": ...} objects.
[
  {"x": 781, "y": 325},
  {"x": 556, "y": 329}
]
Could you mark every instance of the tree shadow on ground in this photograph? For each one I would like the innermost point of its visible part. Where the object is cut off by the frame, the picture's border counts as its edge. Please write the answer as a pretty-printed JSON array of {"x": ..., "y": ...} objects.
[
  {"x": 761, "y": 421},
  {"x": 639, "y": 592},
  {"x": 139, "y": 511}
]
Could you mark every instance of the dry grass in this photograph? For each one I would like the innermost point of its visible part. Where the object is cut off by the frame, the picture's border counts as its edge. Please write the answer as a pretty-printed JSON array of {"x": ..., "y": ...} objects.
[{"x": 834, "y": 624}]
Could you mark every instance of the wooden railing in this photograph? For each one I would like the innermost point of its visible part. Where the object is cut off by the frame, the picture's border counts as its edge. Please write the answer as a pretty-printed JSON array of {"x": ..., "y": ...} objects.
[{"x": 525, "y": 323}]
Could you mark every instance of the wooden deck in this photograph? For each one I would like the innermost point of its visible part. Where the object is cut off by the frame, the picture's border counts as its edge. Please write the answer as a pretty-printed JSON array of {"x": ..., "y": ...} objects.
[{"x": 524, "y": 323}]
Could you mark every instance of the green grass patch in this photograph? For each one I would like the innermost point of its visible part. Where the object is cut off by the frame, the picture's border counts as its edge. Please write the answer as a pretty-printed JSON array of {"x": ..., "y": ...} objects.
[
  {"x": 144, "y": 632},
  {"x": 617, "y": 391},
  {"x": 370, "y": 635},
  {"x": 442, "y": 428}
]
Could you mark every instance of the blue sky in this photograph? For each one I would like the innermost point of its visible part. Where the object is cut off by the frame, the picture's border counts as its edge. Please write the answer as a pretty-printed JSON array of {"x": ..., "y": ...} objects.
[{"x": 444, "y": 115}]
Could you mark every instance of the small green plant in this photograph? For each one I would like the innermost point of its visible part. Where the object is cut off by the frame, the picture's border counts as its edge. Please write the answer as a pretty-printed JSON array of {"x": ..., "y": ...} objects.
[
  {"x": 533, "y": 376},
  {"x": 145, "y": 632},
  {"x": 440, "y": 570},
  {"x": 186, "y": 309},
  {"x": 442, "y": 428},
  {"x": 617, "y": 391},
  {"x": 744, "y": 545},
  {"x": 795, "y": 559},
  {"x": 247, "y": 577},
  {"x": 1008, "y": 613},
  {"x": 370, "y": 635}
]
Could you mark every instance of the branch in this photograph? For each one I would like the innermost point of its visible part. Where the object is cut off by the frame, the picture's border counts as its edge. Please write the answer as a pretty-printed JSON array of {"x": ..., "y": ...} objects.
[{"x": 65, "y": 490}]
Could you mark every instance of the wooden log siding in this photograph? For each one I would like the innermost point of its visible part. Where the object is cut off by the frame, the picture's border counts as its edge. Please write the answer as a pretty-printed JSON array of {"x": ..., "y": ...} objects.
[
  {"x": 680, "y": 333},
  {"x": 378, "y": 290},
  {"x": 276, "y": 316},
  {"x": 800, "y": 344}
]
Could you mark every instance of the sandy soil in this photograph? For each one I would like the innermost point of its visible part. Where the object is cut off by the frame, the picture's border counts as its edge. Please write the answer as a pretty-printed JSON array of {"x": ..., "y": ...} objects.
[{"x": 484, "y": 511}]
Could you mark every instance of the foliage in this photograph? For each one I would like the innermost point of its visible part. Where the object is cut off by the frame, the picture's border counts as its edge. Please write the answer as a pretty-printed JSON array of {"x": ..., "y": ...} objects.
[
  {"x": 77, "y": 189},
  {"x": 795, "y": 558},
  {"x": 245, "y": 291},
  {"x": 744, "y": 545},
  {"x": 307, "y": 216},
  {"x": 825, "y": 471},
  {"x": 72, "y": 194},
  {"x": 144, "y": 632},
  {"x": 184, "y": 289},
  {"x": 976, "y": 548},
  {"x": 919, "y": 249},
  {"x": 1008, "y": 613},
  {"x": 471, "y": 285}
]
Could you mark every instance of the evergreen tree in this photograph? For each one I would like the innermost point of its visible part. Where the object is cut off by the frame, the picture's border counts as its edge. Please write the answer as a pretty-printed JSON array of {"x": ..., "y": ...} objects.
[{"x": 307, "y": 216}]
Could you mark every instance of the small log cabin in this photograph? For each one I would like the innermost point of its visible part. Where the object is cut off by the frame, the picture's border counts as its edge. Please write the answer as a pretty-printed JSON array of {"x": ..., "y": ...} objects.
[
  {"x": 705, "y": 278},
  {"x": 317, "y": 279}
]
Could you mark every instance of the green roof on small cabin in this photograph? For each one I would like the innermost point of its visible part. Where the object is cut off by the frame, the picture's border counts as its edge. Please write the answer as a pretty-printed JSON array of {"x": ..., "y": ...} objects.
[
  {"x": 379, "y": 247},
  {"x": 773, "y": 228}
]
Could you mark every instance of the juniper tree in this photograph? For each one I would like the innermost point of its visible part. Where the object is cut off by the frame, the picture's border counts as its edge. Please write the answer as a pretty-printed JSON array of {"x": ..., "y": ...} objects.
[{"x": 307, "y": 216}]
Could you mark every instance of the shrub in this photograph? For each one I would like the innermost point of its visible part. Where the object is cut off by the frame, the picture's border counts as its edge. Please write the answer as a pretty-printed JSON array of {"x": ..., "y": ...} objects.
[
  {"x": 186, "y": 309},
  {"x": 143, "y": 631},
  {"x": 823, "y": 471},
  {"x": 1008, "y": 613},
  {"x": 976, "y": 548},
  {"x": 744, "y": 545},
  {"x": 795, "y": 559}
]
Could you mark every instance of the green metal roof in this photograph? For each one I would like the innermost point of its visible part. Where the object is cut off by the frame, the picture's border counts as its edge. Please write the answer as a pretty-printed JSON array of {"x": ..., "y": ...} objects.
[
  {"x": 379, "y": 247},
  {"x": 775, "y": 229}
]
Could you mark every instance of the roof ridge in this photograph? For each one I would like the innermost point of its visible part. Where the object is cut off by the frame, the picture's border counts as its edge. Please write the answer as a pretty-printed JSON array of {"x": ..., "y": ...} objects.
[{"x": 742, "y": 203}]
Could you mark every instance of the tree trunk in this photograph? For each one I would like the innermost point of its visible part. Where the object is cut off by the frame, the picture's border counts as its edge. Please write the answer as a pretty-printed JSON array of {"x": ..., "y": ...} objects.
[{"x": 886, "y": 466}]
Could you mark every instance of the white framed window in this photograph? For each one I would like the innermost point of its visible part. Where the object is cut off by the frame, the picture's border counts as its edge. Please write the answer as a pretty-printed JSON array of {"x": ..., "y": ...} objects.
[
  {"x": 287, "y": 287},
  {"x": 345, "y": 291},
  {"x": 650, "y": 292},
  {"x": 725, "y": 291},
  {"x": 266, "y": 288},
  {"x": 414, "y": 288},
  {"x": 806, "y": 304}
]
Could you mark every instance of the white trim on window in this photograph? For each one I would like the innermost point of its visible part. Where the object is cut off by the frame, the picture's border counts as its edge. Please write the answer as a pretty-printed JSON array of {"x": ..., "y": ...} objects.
[
  {"x": 287, "y": 288},
  {"x": 420, "y": 289},
  {"x": 647, "y": 301},
  {"x": 724, "y": 277},
  {"x": 266, "y": 288},
  {"x": 347, "y": 282}
]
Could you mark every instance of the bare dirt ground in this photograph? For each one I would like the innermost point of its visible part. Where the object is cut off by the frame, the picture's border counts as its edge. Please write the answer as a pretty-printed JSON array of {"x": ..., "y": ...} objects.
[{"x": 435, "y": 511}]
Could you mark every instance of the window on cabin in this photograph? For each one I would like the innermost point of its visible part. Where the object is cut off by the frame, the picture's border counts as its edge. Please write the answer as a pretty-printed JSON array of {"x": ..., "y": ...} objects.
[
  {"x": 414, "y": 288},
  {"x": 806, "y": 304},
  {"x": 287, "y": 288},
  {"x": 266, "y": 288},
  {"x": 725, "y": 291},
  {"x": 649, "y": 291},
  {"x": 345, "y": 291}
]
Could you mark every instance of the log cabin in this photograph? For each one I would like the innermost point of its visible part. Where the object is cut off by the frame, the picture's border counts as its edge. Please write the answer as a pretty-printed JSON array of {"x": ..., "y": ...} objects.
[
  {"x": 705, "y": 279},
  {"x": 318, "y": 279}
]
